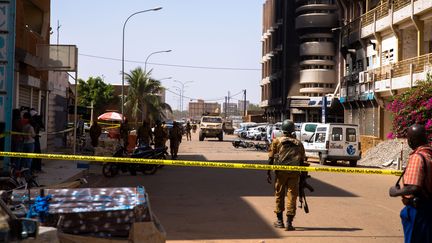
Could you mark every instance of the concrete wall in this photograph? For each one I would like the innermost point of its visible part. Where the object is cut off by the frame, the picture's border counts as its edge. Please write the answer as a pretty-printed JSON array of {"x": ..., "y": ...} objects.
[
  {"x": 428, "y": 36},
  {"x": 409, "y": 42},
  {"x": 57, "y": 108}
]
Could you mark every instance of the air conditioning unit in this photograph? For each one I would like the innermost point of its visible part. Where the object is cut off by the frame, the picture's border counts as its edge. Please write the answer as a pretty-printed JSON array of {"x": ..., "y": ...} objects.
[{"x": 363, "y": 77}]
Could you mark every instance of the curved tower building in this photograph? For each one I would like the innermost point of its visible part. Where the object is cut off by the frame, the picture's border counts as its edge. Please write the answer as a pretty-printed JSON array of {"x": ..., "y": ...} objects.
[{"x": 314, "y": 22}]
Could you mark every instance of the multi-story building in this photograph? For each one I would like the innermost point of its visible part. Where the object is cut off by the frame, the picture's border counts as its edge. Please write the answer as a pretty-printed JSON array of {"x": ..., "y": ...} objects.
[
  {"x": 386, "y": 46},
  {"x": 280, "y": 57},
  {"x": 200, "y": 107},
  {"x": 230, "y": 109},
  {"x": 299, "y": 60},
  {"x": 242, "y": 105},
  {"x": 32, "y": 28}
]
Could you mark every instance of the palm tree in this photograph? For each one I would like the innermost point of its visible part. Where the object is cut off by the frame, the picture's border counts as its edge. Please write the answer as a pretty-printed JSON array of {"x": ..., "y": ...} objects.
[{"x": 143, "y": 96}]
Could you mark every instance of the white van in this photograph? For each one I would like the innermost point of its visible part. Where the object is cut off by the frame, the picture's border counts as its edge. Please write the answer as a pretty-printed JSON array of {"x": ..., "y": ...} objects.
[
  {"x": 333, "y": 142},
  {"x": 306, "y": 131}
]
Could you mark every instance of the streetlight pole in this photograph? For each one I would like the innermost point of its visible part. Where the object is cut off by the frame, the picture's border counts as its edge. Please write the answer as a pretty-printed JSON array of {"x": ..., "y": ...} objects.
[
  {"x": 145, "y": 63},
  {"x": 178, "y": 89},
  {"x": 123, "y": 45},
  {"x": 182, "y": 90}
]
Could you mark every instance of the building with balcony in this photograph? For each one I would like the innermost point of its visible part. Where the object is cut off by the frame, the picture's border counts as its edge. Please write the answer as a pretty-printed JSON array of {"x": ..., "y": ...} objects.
[
  {"x": 280, "y": 58},
  {"x": 386, "y": 47},
  {"x": 299, "y": 60}
]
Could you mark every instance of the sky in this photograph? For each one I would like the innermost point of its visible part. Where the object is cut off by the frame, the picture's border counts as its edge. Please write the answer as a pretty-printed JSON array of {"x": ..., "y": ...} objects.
[{"x": 203, "y": 33}]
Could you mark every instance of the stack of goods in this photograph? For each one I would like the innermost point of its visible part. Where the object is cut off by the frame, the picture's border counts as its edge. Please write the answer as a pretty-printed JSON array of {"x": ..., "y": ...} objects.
[{"x": 102, "y": 212}]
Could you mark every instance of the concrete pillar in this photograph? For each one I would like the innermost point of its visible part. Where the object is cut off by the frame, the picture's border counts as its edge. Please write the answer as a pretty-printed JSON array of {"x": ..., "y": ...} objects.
[{"x": 420, "y": 37}]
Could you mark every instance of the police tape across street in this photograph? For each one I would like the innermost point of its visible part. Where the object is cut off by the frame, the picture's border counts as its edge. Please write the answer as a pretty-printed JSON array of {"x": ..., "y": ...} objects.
[{"x": 208, "y": 164}]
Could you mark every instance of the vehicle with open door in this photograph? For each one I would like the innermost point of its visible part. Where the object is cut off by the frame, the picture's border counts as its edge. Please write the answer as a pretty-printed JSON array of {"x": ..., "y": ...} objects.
[{"x": 334, "y": 142}]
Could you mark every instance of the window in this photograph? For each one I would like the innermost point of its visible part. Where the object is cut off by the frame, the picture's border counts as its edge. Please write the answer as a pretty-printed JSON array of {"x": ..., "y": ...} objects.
[
  {"x": 337, "y": 134},
  {"x": 350, "y": 134},
  {"x": 320, "y": 138},
  {"x": 310, "y": 127},
  {"x": 212, "y": 119}
]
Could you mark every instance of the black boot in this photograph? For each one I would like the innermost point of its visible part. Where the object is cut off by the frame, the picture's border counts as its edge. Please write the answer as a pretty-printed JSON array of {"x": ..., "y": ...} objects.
[
  {"x": 290, "y": 219},
  {"x": 279, "y": 223}
]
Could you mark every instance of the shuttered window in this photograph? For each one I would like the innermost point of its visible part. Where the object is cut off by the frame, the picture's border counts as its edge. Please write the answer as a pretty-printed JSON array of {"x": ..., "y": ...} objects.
[
  {"x": 24, "y": 96},
  {"x": 35, "y": 99}
]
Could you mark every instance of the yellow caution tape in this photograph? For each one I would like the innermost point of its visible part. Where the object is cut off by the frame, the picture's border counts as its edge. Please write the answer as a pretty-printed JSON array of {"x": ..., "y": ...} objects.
[
  {"x": 63, "y": 131},
  {"x": 209, "y": 164},
  {"x": 23, "y": 133}
]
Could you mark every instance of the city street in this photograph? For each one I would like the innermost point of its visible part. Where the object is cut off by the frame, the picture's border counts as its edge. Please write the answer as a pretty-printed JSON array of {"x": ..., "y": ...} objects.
[{"x": 216, "y": 205}]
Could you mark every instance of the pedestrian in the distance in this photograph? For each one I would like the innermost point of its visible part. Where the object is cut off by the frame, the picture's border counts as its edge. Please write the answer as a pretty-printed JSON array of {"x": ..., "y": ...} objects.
[
  {"x": 36, "y": 122},
  {"x": 17, "y": 139},
  {"x": 175, "y": 137},
  {"x": 95, "y": 132},
  {"x": 286, "y": 150},
  {"x": 188, "y": 131},
  {"x": 28, "y": 140},
  {"x": 416, "y": 192}
]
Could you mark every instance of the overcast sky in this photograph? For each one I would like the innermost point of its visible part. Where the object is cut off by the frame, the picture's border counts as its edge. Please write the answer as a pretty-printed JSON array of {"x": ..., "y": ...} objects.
[{"x": 218, "y": 33}]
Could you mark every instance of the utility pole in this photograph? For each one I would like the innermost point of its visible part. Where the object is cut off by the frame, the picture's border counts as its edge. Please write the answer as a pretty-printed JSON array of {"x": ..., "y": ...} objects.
[
  {"x": 244, "y": 103},
  {"x": 58, "y": 31},
  {"x": 228, "y": 107},
  {"x": 225, "y": 106}
]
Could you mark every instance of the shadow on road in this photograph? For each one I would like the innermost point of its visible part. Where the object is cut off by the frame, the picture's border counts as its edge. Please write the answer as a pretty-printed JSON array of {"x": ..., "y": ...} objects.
[
  {"x": 196, "y": 203},
  {"x": 337, "y": 229}
]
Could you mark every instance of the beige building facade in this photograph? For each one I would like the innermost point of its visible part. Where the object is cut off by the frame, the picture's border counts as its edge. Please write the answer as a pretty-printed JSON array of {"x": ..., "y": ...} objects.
[
  {"x": 386, "y": 47},
  {"x": 200, "y": 107}
]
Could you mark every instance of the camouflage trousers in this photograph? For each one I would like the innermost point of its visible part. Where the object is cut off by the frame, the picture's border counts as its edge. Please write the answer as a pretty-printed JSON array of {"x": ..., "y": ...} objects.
[{"x": 286, "y": 183}]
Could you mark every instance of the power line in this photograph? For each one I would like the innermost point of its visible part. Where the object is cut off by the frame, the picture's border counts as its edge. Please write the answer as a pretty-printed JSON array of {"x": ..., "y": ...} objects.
[
  {"x": 216, "y": 99},
  {"x": 174, "y": 65}
]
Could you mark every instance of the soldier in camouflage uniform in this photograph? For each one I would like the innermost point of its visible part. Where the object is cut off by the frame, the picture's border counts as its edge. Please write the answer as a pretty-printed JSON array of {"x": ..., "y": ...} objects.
[
  {"x": 175, "y": 137},
  {"x": 286, "y": 150}
]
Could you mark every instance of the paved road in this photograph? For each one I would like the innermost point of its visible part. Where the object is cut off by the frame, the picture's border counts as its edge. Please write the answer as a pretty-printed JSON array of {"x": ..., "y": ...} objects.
[{"x": 223, "y": 205}]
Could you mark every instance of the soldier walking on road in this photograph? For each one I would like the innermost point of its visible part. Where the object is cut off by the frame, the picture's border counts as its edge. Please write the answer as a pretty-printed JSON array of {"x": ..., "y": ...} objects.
[
  {"x": 188, "y": 131},
  {"x": 416, "y": 192},
  {"x": 160, "y": 135},
  {"x": 286, "y": 150},
  {"x": 175, "y": 137}
]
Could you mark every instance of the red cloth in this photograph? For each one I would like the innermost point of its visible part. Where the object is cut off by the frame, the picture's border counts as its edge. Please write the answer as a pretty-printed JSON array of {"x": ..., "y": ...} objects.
[{"x": 415, "y": 173}]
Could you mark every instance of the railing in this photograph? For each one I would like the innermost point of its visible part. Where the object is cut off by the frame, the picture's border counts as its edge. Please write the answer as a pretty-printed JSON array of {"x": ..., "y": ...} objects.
[
  {"x": 399, "y": 4},
  {"x": 382, "y": 11},
  {"x": 402, "y": 68}
]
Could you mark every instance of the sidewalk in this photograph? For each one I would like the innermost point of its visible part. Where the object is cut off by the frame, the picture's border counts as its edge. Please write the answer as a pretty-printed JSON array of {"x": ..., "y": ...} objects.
[{"x": 58, "y": 171}]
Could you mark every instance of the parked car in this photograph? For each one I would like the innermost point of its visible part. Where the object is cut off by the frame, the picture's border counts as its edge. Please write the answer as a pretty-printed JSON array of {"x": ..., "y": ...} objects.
[
  {"x": 242, "y": 131},
  {"x": 251, "y": 132},
  {"x": 333, "y": 142},
  {"x": 276, "y": 131},
  {"x": 259, "y": 132}
]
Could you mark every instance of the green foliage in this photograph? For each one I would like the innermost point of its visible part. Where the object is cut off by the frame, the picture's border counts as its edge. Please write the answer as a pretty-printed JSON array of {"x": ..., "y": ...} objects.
[
  {"x": 96, "y": 90},
  {"x": 413, "y": 106},
  {"x": 143, "y": 101},
  {"x": 253, "y": 107}
]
